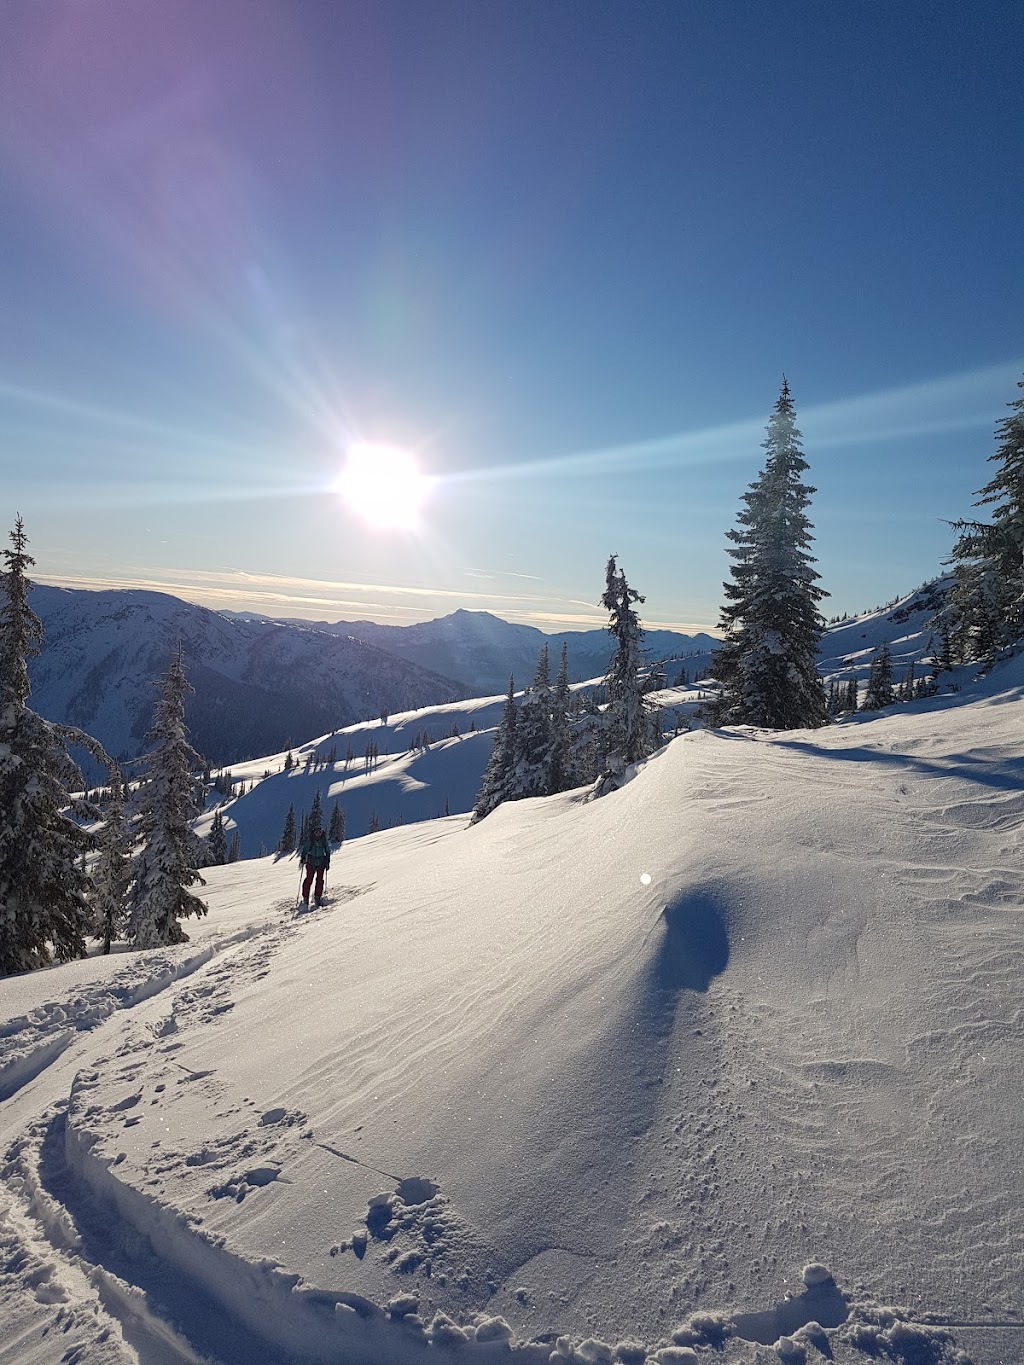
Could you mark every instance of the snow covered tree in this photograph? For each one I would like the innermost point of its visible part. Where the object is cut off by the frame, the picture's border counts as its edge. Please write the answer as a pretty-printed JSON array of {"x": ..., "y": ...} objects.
[
  {"x": 496, "y": 785},
  {"x": 767, "y": 665},
  {"x": 985, "y": 607},
  {"x": 880, "y": 690},
  {"x": 44, "y": 911},
  {"x": 315, "y": 822},
  {"x": 561, "y": 768},
  {"x": 113, "y": 873},
  {"x": 531, "y": 771},
  {"x": 167, "y": 863},
  {"x": 217, "y": 844},
  {"x": 336, "y": 828},
  {"x": 286, "y": 844},
  {"x": 630, "y": 730}
]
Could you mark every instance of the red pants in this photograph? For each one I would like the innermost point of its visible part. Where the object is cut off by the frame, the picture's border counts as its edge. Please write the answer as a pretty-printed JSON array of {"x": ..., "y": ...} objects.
[{"x": 312, "y": 872}]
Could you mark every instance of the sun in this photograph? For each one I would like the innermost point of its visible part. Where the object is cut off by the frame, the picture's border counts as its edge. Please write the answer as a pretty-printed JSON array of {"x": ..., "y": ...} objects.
[{"x": 383, "y": 485}]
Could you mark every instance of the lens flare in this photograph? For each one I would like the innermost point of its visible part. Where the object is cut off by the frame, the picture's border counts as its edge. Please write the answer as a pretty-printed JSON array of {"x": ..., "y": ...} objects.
[{"x": 383, "y": 485}]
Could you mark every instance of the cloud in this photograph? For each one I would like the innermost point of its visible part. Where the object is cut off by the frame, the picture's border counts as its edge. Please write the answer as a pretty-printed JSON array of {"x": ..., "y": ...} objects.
[
  {"x": 956, "y": 402},
  {"x": 319, "y": 599}
]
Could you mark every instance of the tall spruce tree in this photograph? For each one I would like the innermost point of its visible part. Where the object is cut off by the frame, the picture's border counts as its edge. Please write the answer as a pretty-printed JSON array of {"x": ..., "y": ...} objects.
[
  {"x": 985, "y": 609},
  {"x": 113, "y": 873},
  {"x": 167, "y": 863},
  {"x": 531, "y": 773},
  {"x": 630, "y": 729},
  {"x": 44, "y": 911},
  {"x": 315, "y": 822},
  {"x": 496, "y": 785},
  {"x": 286, "y": 844},
  {"x": 336, "y": 828},
  {"x": 879, "y": 691},
  {"x": 561, "y": 767},
  {"x": 217, "y": 841},
  {"x": 767, "y": 665}
]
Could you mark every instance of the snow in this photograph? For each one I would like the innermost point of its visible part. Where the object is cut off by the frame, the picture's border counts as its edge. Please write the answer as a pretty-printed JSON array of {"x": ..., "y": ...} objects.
[{"x": 722, "y": 1066}]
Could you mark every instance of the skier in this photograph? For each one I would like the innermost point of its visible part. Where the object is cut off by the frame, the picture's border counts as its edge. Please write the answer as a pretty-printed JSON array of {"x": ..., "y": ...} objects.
[{"x": 315, "y": 853}]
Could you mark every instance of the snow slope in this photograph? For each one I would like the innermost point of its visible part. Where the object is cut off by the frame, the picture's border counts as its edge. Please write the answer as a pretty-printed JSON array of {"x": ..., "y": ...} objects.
[
  {"x": 257, "y": 686},
  {"x": 585, "y": 1069},
  {"x": 408, "y": 784}
]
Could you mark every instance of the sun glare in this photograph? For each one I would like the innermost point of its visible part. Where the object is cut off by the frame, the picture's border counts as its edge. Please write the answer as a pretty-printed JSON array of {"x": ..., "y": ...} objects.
[{"x": 383, "y": 484}]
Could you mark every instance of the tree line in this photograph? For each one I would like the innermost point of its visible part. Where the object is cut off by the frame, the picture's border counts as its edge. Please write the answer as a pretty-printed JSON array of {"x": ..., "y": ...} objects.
[{"x": 146, "y": 855}]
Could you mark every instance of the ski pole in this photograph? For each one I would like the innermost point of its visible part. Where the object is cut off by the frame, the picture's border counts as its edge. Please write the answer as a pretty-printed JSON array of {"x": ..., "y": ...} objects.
[{"x": 298, "y": 894}]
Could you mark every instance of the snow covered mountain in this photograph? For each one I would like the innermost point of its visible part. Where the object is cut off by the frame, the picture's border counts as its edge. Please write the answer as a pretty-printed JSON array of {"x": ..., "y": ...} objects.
[
  {"x": 408, "y": 782},
  {"x": 481, "y": 650},
  {"x": 729, "y": 1058},
  {"x": 259, "y": 686}
]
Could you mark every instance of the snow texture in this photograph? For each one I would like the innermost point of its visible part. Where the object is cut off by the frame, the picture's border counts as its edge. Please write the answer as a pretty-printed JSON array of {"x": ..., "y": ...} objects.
[{"x": 502, "y": 1099}]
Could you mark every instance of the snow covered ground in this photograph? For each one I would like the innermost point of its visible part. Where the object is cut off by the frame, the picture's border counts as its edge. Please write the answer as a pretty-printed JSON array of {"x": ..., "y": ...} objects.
[
  {"x": 546, "y": 1088},
  {"x": 408, "y": 783}
]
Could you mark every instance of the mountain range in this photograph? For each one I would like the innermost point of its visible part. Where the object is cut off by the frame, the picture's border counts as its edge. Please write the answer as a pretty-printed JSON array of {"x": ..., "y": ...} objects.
[
  {"x": 258, "y": 687},
  {"x": 482, "y": 650},
  {"x": 262, "y": 685}
]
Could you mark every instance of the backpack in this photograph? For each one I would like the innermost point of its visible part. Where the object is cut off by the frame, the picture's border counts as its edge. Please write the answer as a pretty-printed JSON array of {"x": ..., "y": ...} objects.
[{"x": 317, "y": 852}]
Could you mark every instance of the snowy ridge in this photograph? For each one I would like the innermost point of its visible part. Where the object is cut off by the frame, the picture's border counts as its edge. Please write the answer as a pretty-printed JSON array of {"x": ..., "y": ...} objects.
[
  {"x": 258, "y": 686},
  {"x": 588, "y": 1068},
  {"x": 407, "y": 784},
  {"x": 481, "y": 650}
]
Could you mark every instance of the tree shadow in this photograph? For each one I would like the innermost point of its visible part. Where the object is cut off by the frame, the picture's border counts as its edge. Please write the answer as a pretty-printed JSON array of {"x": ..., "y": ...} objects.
[{"x": 694, "y": 946}]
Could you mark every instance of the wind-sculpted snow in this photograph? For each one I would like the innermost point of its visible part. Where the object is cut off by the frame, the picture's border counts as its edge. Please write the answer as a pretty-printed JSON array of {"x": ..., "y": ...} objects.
[{"x": 624, "y": 1080}]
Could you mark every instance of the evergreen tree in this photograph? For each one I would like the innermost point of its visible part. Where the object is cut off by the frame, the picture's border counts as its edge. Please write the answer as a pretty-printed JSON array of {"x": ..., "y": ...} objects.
[
  {"x": 44, "y": 910},
  {"x": 985, "y": 607},
  {"x": 767, "y": 664},
  {"x": 217, "y": 841},
  {"x": 113, "y": 869},
  {"x": 336, "y": 829},
  {"x": 908, "y": 687},
  {"x": 630, "y": 730},
  {"x": 531, "y": 773},
  {"x": 315, "y": 823},
  {"x": 879, "y": 691},
  {"x": 167, "y": 863},
  {"x": 235, "y": 851},
  {"x": 374, "y": 823},
  {"x": 287, "y": 840},
  {"x": 560, "y": 773},
  {"x": 496, "y": 785}
]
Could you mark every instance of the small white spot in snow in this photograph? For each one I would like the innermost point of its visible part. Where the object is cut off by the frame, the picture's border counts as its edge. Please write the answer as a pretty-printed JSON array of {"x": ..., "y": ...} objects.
[{"x": 645, "y": 877}]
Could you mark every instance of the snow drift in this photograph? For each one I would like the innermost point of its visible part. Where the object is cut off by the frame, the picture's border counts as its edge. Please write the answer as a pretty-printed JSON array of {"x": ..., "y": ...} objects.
[{"x": 587, "y": 1080}]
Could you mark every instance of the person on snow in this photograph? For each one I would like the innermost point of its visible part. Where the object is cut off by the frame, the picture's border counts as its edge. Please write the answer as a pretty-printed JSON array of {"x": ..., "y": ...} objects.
[{"x": 315, "y": 853}]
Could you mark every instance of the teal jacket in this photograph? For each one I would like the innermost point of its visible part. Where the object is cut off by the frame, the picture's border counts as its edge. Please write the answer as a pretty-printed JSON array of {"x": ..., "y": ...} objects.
[{"x": 315, "y": 851}]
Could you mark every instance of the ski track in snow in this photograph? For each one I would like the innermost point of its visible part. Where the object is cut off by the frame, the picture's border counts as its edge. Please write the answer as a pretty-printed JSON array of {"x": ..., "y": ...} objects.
[{"x": 759, "y": 1091}]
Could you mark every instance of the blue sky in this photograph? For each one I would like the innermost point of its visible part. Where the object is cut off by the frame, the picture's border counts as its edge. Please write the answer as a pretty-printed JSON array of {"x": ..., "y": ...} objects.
[{"x": 563, "y": 250}]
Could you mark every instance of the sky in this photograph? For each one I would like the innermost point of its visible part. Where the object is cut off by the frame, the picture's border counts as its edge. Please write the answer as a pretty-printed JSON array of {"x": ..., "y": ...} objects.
[{"x": 563, "y": 253}]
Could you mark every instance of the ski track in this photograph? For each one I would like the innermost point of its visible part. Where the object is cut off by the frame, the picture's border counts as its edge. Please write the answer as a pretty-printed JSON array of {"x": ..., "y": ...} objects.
[
  {"x": 115, "y": 1275},
  {"x": 112, "y": 1274}
]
